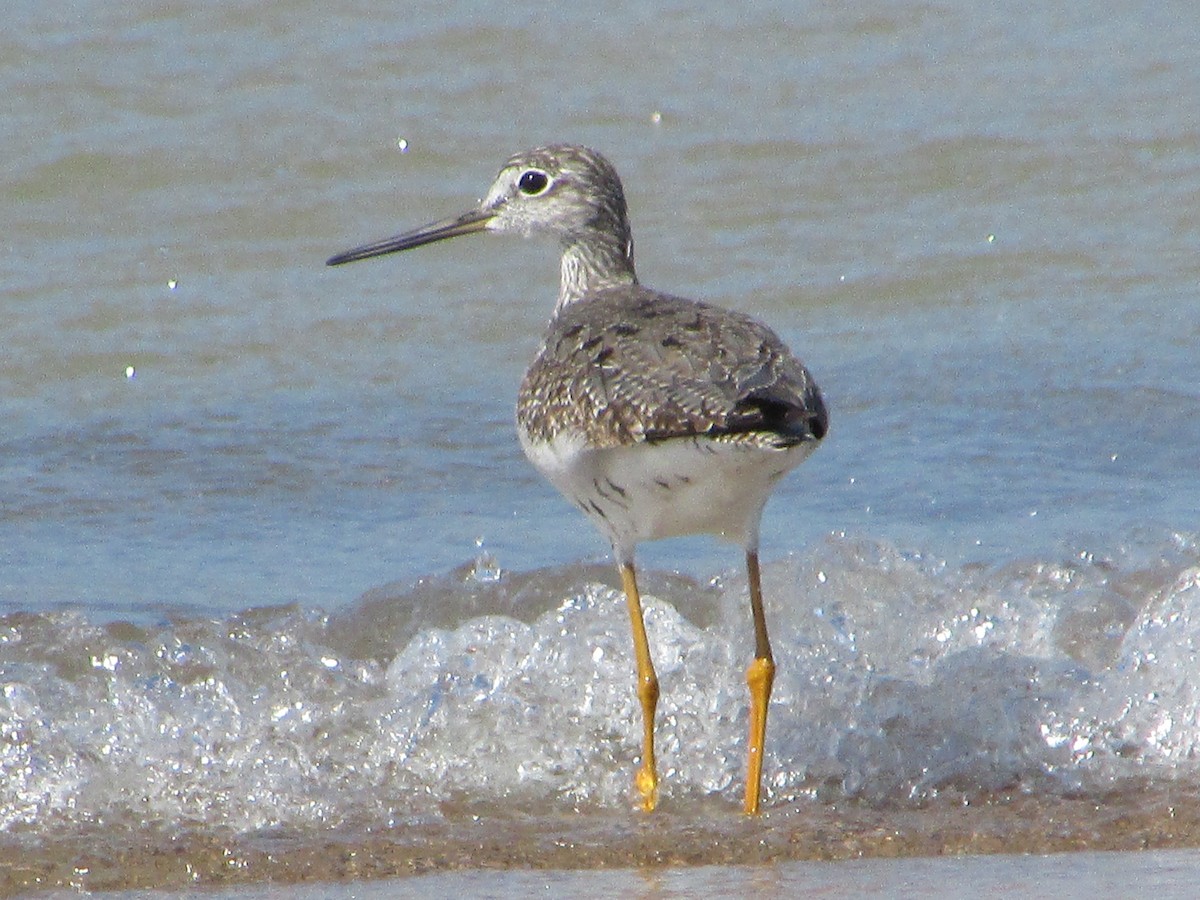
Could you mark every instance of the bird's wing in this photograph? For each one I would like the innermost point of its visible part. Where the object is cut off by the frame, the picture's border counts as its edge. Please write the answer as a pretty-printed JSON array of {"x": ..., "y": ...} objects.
[{"x": 630, "y": 364}]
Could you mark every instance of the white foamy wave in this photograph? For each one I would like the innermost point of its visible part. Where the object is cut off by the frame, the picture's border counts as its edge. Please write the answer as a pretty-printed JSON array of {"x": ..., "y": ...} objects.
[{"x": 900, "y": 679}]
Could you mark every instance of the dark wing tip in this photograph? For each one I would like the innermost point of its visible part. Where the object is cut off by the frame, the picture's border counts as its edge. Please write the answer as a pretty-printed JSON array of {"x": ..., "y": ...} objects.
[{"x": 793, "y": 419}]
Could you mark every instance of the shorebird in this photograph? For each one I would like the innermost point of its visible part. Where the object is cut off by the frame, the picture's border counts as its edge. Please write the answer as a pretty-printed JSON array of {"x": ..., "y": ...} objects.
[{"x": 657, "y": 416}]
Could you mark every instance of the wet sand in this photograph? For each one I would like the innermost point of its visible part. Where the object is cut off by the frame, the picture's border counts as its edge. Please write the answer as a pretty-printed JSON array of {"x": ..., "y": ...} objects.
[{"x": 691, "y": 835}]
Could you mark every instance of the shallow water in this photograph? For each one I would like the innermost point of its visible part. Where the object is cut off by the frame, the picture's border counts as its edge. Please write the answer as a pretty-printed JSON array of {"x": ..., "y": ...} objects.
[
  {"x": 277, "y": 584},
  {"x": 1164, "y": 873}
]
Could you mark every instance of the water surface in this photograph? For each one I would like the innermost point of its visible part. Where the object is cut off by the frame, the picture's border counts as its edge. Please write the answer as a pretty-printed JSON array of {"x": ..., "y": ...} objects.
[{"x": 277, "y": 584}]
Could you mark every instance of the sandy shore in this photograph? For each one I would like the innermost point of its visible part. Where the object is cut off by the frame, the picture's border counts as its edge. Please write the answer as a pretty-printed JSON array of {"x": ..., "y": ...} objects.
[{"x": 692, "y": 835}]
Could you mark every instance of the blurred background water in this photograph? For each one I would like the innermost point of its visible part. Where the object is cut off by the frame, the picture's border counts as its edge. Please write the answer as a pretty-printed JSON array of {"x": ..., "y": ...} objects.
[{"x": 264, "y": 523}]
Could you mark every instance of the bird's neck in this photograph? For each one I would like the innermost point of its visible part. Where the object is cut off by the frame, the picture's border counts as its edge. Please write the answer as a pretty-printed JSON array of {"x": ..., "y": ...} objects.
[{"x": 599, "y": 262}]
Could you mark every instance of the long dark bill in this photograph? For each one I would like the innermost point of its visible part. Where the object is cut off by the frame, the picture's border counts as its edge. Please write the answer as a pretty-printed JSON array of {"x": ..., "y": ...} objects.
[{"x": 467, "y": 223}]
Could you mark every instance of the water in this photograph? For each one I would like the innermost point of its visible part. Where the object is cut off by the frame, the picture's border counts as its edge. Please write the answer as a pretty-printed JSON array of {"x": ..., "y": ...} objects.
[
  {"x": 273, "y": 571},
  {"x": 1162, "y": 873}
]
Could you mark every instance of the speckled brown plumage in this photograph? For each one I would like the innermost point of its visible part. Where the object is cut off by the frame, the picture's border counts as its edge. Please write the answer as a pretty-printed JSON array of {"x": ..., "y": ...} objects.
[{"x": 628, "y": 364}]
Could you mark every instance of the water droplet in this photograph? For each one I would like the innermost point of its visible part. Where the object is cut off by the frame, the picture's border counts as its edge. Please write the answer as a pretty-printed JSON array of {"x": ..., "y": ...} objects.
[{"x": 486, "y": 569}]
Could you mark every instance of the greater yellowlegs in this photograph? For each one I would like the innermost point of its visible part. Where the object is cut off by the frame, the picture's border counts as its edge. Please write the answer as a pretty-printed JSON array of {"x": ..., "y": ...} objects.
[{"x": 657, "y": 416}]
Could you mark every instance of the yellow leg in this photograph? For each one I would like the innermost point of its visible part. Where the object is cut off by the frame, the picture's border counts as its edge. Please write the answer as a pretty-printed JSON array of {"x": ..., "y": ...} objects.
[
  {"x": 759, "y": 677},
  {"x": 647, "y": 689}
]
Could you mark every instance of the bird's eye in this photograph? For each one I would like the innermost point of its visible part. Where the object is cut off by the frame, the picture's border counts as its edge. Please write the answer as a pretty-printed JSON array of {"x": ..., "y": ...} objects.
[{"x": 533, "y": 182}]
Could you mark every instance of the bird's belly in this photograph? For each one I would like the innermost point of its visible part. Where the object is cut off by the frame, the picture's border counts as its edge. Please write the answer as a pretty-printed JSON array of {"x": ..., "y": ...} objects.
[{"x": 666, "y": 489}]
